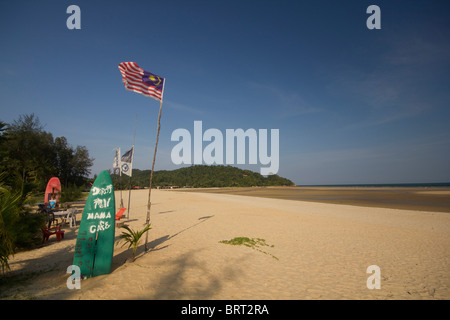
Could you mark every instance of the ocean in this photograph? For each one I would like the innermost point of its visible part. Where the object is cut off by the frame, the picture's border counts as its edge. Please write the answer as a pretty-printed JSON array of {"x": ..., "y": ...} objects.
[{"x": 388, "y": 185}]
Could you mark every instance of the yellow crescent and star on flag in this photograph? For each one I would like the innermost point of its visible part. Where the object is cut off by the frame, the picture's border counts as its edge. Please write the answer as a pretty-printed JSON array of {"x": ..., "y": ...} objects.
[{"x": 155, "y": 79}]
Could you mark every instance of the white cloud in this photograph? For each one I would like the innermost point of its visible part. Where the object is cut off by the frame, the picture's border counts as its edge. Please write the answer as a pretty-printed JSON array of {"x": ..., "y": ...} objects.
[
  {"x": 288, "y": 104},
  {"x": 416, "y": 51},
  {"x": 396, "y": 86},
  {"x": 182, "y": 107}
]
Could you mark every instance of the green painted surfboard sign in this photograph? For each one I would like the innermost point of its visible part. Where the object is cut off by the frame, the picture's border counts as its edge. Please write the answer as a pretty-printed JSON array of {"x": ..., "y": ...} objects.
[{"x": 95, "y": 241}]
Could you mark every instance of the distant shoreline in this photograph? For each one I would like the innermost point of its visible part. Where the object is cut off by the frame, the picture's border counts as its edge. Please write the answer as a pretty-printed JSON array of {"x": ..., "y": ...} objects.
[
  {"x": 434, "y": 199},
  {"x": 387, "y": 185}
]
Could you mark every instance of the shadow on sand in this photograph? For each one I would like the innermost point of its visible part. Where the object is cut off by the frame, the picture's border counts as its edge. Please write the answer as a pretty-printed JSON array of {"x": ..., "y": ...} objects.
[
  {"x": 24, "y": 282},
  {"x": 154, "y": 245}
]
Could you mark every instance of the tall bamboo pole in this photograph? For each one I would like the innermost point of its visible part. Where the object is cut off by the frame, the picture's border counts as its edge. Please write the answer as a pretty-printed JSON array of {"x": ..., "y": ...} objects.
[
  {"x": 149, "y": 203},
  {"x": 131, "y": 173},
  {"x": 120, "y": 185}
]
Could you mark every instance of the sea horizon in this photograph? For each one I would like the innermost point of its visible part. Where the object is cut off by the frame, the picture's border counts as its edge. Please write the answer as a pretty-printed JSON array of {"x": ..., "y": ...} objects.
[{"x": 385, "y": 185}]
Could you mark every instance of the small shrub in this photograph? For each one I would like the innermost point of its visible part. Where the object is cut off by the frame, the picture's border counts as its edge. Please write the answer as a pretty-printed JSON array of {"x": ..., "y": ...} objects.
[
  {"x": 18, "y": 228},
  {"x": 133, "y": 237}
]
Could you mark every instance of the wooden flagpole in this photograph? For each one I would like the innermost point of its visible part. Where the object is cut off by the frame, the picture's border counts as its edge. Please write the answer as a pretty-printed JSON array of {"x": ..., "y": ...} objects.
[
  {"x": 149, "y": 203},
  {"x": 120, "y": 176},
  {"x": 120, "y": 182},
  {"x": 132, "y": 158}
]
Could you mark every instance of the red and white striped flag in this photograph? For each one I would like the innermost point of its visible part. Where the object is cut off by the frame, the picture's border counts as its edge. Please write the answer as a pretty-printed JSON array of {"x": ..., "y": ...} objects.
[{"x": 138, "y": 80}]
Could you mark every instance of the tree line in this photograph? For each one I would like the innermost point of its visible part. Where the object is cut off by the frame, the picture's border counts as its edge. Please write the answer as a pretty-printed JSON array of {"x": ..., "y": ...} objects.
[
  {"x": 30, "y": 155},
  {"x": 200, "y": 176}
]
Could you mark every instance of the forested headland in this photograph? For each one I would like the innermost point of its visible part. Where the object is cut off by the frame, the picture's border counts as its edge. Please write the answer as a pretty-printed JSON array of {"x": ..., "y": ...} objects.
[{"x": 200, "y": 176}]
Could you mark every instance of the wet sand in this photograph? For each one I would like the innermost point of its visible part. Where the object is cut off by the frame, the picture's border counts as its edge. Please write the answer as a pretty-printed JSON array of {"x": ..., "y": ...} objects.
[{"x": 407, "y": 198}]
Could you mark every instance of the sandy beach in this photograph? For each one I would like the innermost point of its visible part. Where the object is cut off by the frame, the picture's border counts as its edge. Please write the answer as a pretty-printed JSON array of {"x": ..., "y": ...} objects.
[{"x": 314, "y": 251}]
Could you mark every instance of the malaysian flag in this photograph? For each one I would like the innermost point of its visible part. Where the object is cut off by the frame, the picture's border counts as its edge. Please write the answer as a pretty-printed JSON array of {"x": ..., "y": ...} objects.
[{"x": 138, "y": 80}]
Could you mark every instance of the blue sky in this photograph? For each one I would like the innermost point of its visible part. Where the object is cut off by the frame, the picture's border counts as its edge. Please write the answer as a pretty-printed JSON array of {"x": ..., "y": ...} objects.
[{"x": 353, "y": 105}]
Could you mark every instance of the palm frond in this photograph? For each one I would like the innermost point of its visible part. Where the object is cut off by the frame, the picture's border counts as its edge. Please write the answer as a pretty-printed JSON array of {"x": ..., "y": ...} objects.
[{"x": 132, "y": 237}]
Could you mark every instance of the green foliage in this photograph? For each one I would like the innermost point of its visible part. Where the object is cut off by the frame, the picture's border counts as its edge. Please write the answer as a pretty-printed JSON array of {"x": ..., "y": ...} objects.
[
  {"x": 132, "y": 237},
  {"x": 31, "y": 155},
  {"x": 251, "y": 243},
  {"x": 72, "y": 164},
  {"x": 71, "y": 193},
  {"x": 8, "y": 219},
  {"x": 201, "y": 176},
  {"x": 18, "y": 228}
]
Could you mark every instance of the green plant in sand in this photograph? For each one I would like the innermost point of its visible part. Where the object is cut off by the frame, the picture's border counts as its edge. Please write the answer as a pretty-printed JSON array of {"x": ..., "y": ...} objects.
[
  {"x": 18, "y": 228},
  {"x": 254, "y": 243},
  {"x": 133, "y": 237},
  {"x": 8, "y": 216}
]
